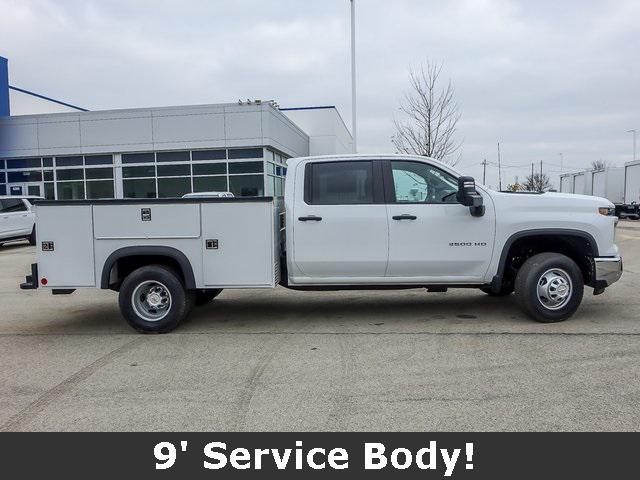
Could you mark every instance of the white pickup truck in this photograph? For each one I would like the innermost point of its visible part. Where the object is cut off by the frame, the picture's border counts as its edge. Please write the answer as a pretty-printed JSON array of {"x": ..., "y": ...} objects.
[{"x": 348, "y": 222}]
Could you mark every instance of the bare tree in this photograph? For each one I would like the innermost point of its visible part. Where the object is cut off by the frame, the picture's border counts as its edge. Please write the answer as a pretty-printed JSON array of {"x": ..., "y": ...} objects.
[
  {"x": 599, "y": 164},
  {"x": 515, "y": 187},
  {"x": 430, "y": 116},
  {"x": 538, "y": 182}
]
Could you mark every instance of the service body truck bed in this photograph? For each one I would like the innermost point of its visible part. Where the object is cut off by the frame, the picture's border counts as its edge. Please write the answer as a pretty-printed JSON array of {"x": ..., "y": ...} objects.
[{"x": 217, "y": 242}]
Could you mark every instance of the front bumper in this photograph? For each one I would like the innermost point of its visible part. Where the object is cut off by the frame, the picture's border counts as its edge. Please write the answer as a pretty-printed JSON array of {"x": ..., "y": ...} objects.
[{"x": 608, "y": 270}]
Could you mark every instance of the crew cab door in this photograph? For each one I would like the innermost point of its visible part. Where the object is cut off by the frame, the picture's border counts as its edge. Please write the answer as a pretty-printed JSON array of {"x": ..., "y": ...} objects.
[
  {"x": 432, "y": 238},
  {"x": 340, "y": 226}
]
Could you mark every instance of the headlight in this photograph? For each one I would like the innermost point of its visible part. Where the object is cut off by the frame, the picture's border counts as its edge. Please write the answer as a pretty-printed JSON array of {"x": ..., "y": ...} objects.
[{"x": 608, "y": 211}]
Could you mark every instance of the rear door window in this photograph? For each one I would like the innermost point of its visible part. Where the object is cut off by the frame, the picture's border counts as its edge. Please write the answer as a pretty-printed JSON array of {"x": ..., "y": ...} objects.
[
  {"x": 10, "y": 205},
  {"x": 340, "y": 183}
]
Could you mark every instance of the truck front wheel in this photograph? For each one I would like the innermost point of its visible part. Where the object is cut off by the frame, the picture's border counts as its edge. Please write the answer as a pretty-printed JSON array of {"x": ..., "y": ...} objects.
[
  {"x": 549, "y": 287},
  {"x": 153, "y": 299}
]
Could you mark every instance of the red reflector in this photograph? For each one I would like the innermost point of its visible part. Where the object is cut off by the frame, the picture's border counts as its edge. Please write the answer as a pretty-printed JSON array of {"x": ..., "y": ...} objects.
[{"x": 44, "y": 281}]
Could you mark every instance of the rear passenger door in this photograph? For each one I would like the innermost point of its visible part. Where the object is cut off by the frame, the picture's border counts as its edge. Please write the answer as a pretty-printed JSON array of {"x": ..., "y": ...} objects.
[{"x": 340, "y": 223}]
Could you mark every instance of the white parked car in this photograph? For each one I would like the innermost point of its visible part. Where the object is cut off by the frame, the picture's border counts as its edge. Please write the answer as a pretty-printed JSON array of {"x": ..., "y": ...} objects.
[
  {"x": 347, "y": 222},
  {"x": 17, "y": 219},
  {"x": 209, "y": 195}
]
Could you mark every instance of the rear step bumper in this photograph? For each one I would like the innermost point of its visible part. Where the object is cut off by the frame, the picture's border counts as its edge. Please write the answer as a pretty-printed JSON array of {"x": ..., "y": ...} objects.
[{"x": 31, "y": 282}]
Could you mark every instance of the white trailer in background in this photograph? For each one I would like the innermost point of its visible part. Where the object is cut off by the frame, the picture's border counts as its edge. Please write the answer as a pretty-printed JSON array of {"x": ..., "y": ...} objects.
[
  {"x": 631, "y": 197},
  {"x": 574, "y": 183},
  {"x": 632, "y": 182},
  {"x": 609, "y": 184},
  {"x": 566, "y": 183},
  {"x": 579, "y": 186}
]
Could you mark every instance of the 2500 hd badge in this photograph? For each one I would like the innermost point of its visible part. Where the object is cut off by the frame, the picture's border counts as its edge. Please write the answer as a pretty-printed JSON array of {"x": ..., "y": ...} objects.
[{"x": 468, "y": 244}]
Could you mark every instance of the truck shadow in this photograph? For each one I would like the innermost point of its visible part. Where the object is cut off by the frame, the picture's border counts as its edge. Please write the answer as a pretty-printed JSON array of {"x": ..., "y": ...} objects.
[{"x": 354, "y": 308}]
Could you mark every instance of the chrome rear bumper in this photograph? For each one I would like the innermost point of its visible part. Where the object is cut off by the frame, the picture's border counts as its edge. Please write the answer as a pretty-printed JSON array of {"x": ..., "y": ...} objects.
[{"x": 608, "y": 270}]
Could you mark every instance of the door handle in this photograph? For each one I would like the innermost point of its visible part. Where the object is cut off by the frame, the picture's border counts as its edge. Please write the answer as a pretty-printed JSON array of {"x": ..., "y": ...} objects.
[
  {"x": 404, "y": 217},
  {"x": 310, "y": 218}
]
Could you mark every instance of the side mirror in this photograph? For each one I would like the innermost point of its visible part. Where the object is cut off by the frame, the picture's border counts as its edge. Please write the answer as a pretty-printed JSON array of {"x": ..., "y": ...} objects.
[{"x": 469, "y": 197}]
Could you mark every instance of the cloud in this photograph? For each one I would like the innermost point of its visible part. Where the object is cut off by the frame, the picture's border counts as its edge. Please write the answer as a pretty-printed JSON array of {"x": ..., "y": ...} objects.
[{"x": 540, "y": 77}]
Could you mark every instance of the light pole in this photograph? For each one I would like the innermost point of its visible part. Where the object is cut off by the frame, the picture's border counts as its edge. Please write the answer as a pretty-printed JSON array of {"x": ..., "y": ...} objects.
[
  {"x": 634, "y": 131},
  {"x": 354, "y": 129},
  {"x": 561, "y": 161}
]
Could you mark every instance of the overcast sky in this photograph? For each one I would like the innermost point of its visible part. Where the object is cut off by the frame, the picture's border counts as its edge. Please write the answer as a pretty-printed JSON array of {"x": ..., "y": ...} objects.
[{"x": 543, "y": 77}]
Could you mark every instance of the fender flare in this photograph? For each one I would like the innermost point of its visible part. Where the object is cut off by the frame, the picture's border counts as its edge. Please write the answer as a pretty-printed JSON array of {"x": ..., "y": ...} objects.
[
  {"x": 567, "y": 232},
  {"x": 169, "y": 252}
]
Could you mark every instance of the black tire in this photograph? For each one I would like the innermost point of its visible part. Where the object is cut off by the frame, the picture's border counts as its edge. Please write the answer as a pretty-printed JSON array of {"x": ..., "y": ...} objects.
[
  {"x": 32, "y": 237},
  {"x": 179, "y": 300},
  {"x": 202, "y": 297},
  {"x": 504, "y": 291},
  {"x": 538, "y": 270}
]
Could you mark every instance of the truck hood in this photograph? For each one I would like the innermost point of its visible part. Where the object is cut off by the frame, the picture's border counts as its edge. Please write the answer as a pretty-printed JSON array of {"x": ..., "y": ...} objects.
[{"x": 561, "y": 201}]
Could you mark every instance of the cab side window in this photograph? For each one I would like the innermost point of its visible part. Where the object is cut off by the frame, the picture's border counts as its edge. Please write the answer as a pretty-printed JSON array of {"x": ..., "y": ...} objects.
[
  {"x": 340, "y": 183},
  {"x": 416, "y": 182},
  {"x": 10, "y": 205}
]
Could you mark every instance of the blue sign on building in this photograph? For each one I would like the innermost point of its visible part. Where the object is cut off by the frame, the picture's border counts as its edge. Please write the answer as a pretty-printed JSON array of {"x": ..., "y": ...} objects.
[{"x": 4, "y": 87}]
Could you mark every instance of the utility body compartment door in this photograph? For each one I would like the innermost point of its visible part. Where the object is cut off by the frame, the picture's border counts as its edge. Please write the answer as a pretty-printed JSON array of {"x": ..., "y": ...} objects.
[
  {"x": 67, "y": 233},
  {"x": 238, "y": 244}
]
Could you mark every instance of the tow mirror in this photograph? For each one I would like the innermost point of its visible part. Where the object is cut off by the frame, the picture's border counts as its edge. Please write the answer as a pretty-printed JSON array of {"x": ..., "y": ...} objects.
[{"x": 469, "y": 197}]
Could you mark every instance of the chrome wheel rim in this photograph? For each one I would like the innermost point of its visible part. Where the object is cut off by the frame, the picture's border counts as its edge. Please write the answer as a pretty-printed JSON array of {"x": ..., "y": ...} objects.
[
  {"x": 151, "y": 301},
  {"x": 554, "y": 289}
]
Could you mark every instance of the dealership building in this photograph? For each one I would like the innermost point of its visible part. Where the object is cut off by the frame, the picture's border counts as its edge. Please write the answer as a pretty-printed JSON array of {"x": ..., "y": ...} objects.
[{"x": 57, "y": 150}]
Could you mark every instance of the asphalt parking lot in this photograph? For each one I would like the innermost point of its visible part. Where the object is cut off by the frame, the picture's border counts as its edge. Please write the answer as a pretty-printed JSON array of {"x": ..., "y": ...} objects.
[{"x": 290, "y": 361}]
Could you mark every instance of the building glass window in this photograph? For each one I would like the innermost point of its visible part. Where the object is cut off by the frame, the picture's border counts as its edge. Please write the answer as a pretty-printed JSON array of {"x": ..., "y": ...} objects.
[
  {"x": 69, "y": 161},
  {"x": 47, "y": 162},
  {"x": 24, "y": 163},
  {"x": 23, "y": 177},
  {"x": 71, "y": 174},
  {"x": 174, "y": 170},
  {"x": 70, "y": 190},
  {"x": 270, "y": 186},
  {"x": 246, "y": 167},
  {"x": 173, "y": 187},
  {"x": 173, "y": 156},
  {"x": 90, "y": 160},
  {"x": 100, "y": 189},
  {"x": 3, "y": 177},
  {"x": 209, "y": 155},
  {"x": 210, "y": 184},
  {"x": 136, "y": 172},
  {"x": 140, "y": 188},
  {"x": 218, "y": 168},
  {"x": 99, "y": 173},
  {"x": 48, "y": 175},
  {"x": 247, "y": 185},
  {"x": 3, "y": 189},
  {"x": 49, "y": 191},
  {"x": 238, "y": 153},
  {"x": 138, "y": 157},
  {"x": 279, "y": 187}
]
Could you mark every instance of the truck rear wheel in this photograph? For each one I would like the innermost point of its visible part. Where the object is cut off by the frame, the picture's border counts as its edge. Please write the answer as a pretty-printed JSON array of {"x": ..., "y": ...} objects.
[
  {"x": 153, "y": 299},
  {"x": 549, "y": 287},
  {"x": 205, "y": 296}
]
